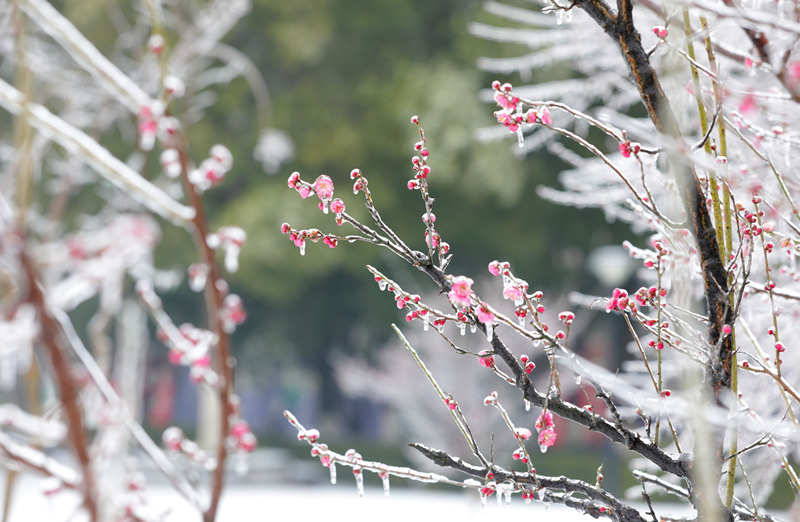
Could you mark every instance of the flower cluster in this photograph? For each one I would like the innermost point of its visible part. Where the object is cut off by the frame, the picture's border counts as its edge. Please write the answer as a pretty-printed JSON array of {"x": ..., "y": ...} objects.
[
  {"x": 620, "y": 302},
  {"x": 547, "y": 430},
  {"x": 211, "y": 171},
  {"x": 510, "y": 115}
]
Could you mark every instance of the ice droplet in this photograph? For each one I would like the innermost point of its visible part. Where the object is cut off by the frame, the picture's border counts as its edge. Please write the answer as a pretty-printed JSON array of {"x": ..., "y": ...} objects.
[
  {"x": 473, "y": 328},
  {"x": 332, "y": 467},
  {"x": 489, "y": 331},
  {"x": 543, "y": 448},
  {"x": 577, "y": 379},
  {"x": 359, "y": 481},
  {"x": 382, "y": 284},
  {"x": 439, "y": 327},
  {"x": 527, "y": 405},
  {"x": 385, "y": 479}
]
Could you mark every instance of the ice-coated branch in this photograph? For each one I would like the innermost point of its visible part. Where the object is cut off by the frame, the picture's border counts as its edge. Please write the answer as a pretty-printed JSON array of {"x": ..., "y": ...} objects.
[
  {"x": 103, "y": 162},
  {"x": 49, "y": 336},
  {"x": 141, "y": 437},
  {"x": 352, "y": 459},
  {"x": 608, "y": 505},
  {"x": 39, "y": 462},
  {"x": 85, "y": 54}
]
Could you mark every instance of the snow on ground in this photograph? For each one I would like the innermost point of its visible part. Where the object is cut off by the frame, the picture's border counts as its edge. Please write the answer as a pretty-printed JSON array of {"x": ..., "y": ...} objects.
[{"x": 243, "y": 503}]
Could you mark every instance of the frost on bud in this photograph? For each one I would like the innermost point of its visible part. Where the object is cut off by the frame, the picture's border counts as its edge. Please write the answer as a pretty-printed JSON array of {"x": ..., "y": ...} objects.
[
  {"x": 198, "y": 275},
  {"x": 231, "y": 240},
  {"x": 232, "y": 313},
  {"x": 155, "y": 44},
  {"x": 415, "y": 120},
  {"x": 522, "y": 433},
  {"x": 172, "y": 438},
  {"x": 174, "y": 86},
  {"x": 491, "y": 399},
  {"x": 170, "y": 162}
]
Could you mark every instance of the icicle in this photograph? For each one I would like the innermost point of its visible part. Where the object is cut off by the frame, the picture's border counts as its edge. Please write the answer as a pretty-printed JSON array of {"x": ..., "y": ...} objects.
[
  {"x": 462, "y": 328},
  {"x": 568, "y": 16},
  {"x": 543, "y": 448},
  {"x": 520, "y": 138},
  {"x": 483, "y": 500},
  {"x": 303, "y": 248},
  {"x": 559, "y": 16},
  {"x": 507, "y": 496},
  {"x": 577, "y": 379},
  {"x": 528, "y": 498},
  {"x": 489, "y": 331},
  {"x": 527, "y": 405},
  {"x": 325, "y": 206},
  {"x": 359, "y": 481},
  {"x": 521, "y": 320},
  {"x": 439, "y": 327},
  {"x": 332, "y": 467},
  {"x": 540, "y": 495},
  {"x": 382, "y": 284},
  {"x": 506, "y": 280},
  {"x": 385, "y": 478},
  {"x": 242, "y": 465},
  {"x": 473, "y": 328},
  {"x": 425, "y": 323}
]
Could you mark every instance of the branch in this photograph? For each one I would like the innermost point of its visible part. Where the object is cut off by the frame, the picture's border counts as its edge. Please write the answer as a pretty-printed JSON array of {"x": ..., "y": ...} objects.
[
  {"x": 67, "y": 387},
  {"x": 105, "y": 163},
  {"x": 618, "y": 510}
]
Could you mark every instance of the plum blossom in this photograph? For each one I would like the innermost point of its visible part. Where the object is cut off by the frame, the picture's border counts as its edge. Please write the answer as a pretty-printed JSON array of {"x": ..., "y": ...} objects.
[
  {"x": 461, "y": 291},
  {"x": 484, "y": 314}
]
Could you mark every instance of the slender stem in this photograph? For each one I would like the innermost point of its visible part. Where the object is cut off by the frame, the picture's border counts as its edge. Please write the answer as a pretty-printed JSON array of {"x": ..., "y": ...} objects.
[{"x": 52, "y": 341}]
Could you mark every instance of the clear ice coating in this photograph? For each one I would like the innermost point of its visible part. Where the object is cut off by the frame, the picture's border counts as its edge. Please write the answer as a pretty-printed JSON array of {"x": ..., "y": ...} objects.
[
  {"x": 332, "y": 467},
  {"x": 359, "y": 481},
  {"x": 385, "y": 478}
]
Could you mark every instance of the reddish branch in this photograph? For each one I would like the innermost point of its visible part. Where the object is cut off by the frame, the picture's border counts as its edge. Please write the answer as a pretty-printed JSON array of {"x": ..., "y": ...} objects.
[
  {"x": 214, "y": 301},
  {"x": 51, "y": 339}
]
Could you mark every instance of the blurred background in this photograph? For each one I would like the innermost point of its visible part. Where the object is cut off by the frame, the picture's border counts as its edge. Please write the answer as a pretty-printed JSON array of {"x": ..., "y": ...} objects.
[{"x": 343, "y": 78}]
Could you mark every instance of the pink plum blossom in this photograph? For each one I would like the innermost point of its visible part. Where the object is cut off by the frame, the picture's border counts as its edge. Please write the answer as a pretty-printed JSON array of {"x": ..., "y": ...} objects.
[{"x": 461, "y": 290}]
